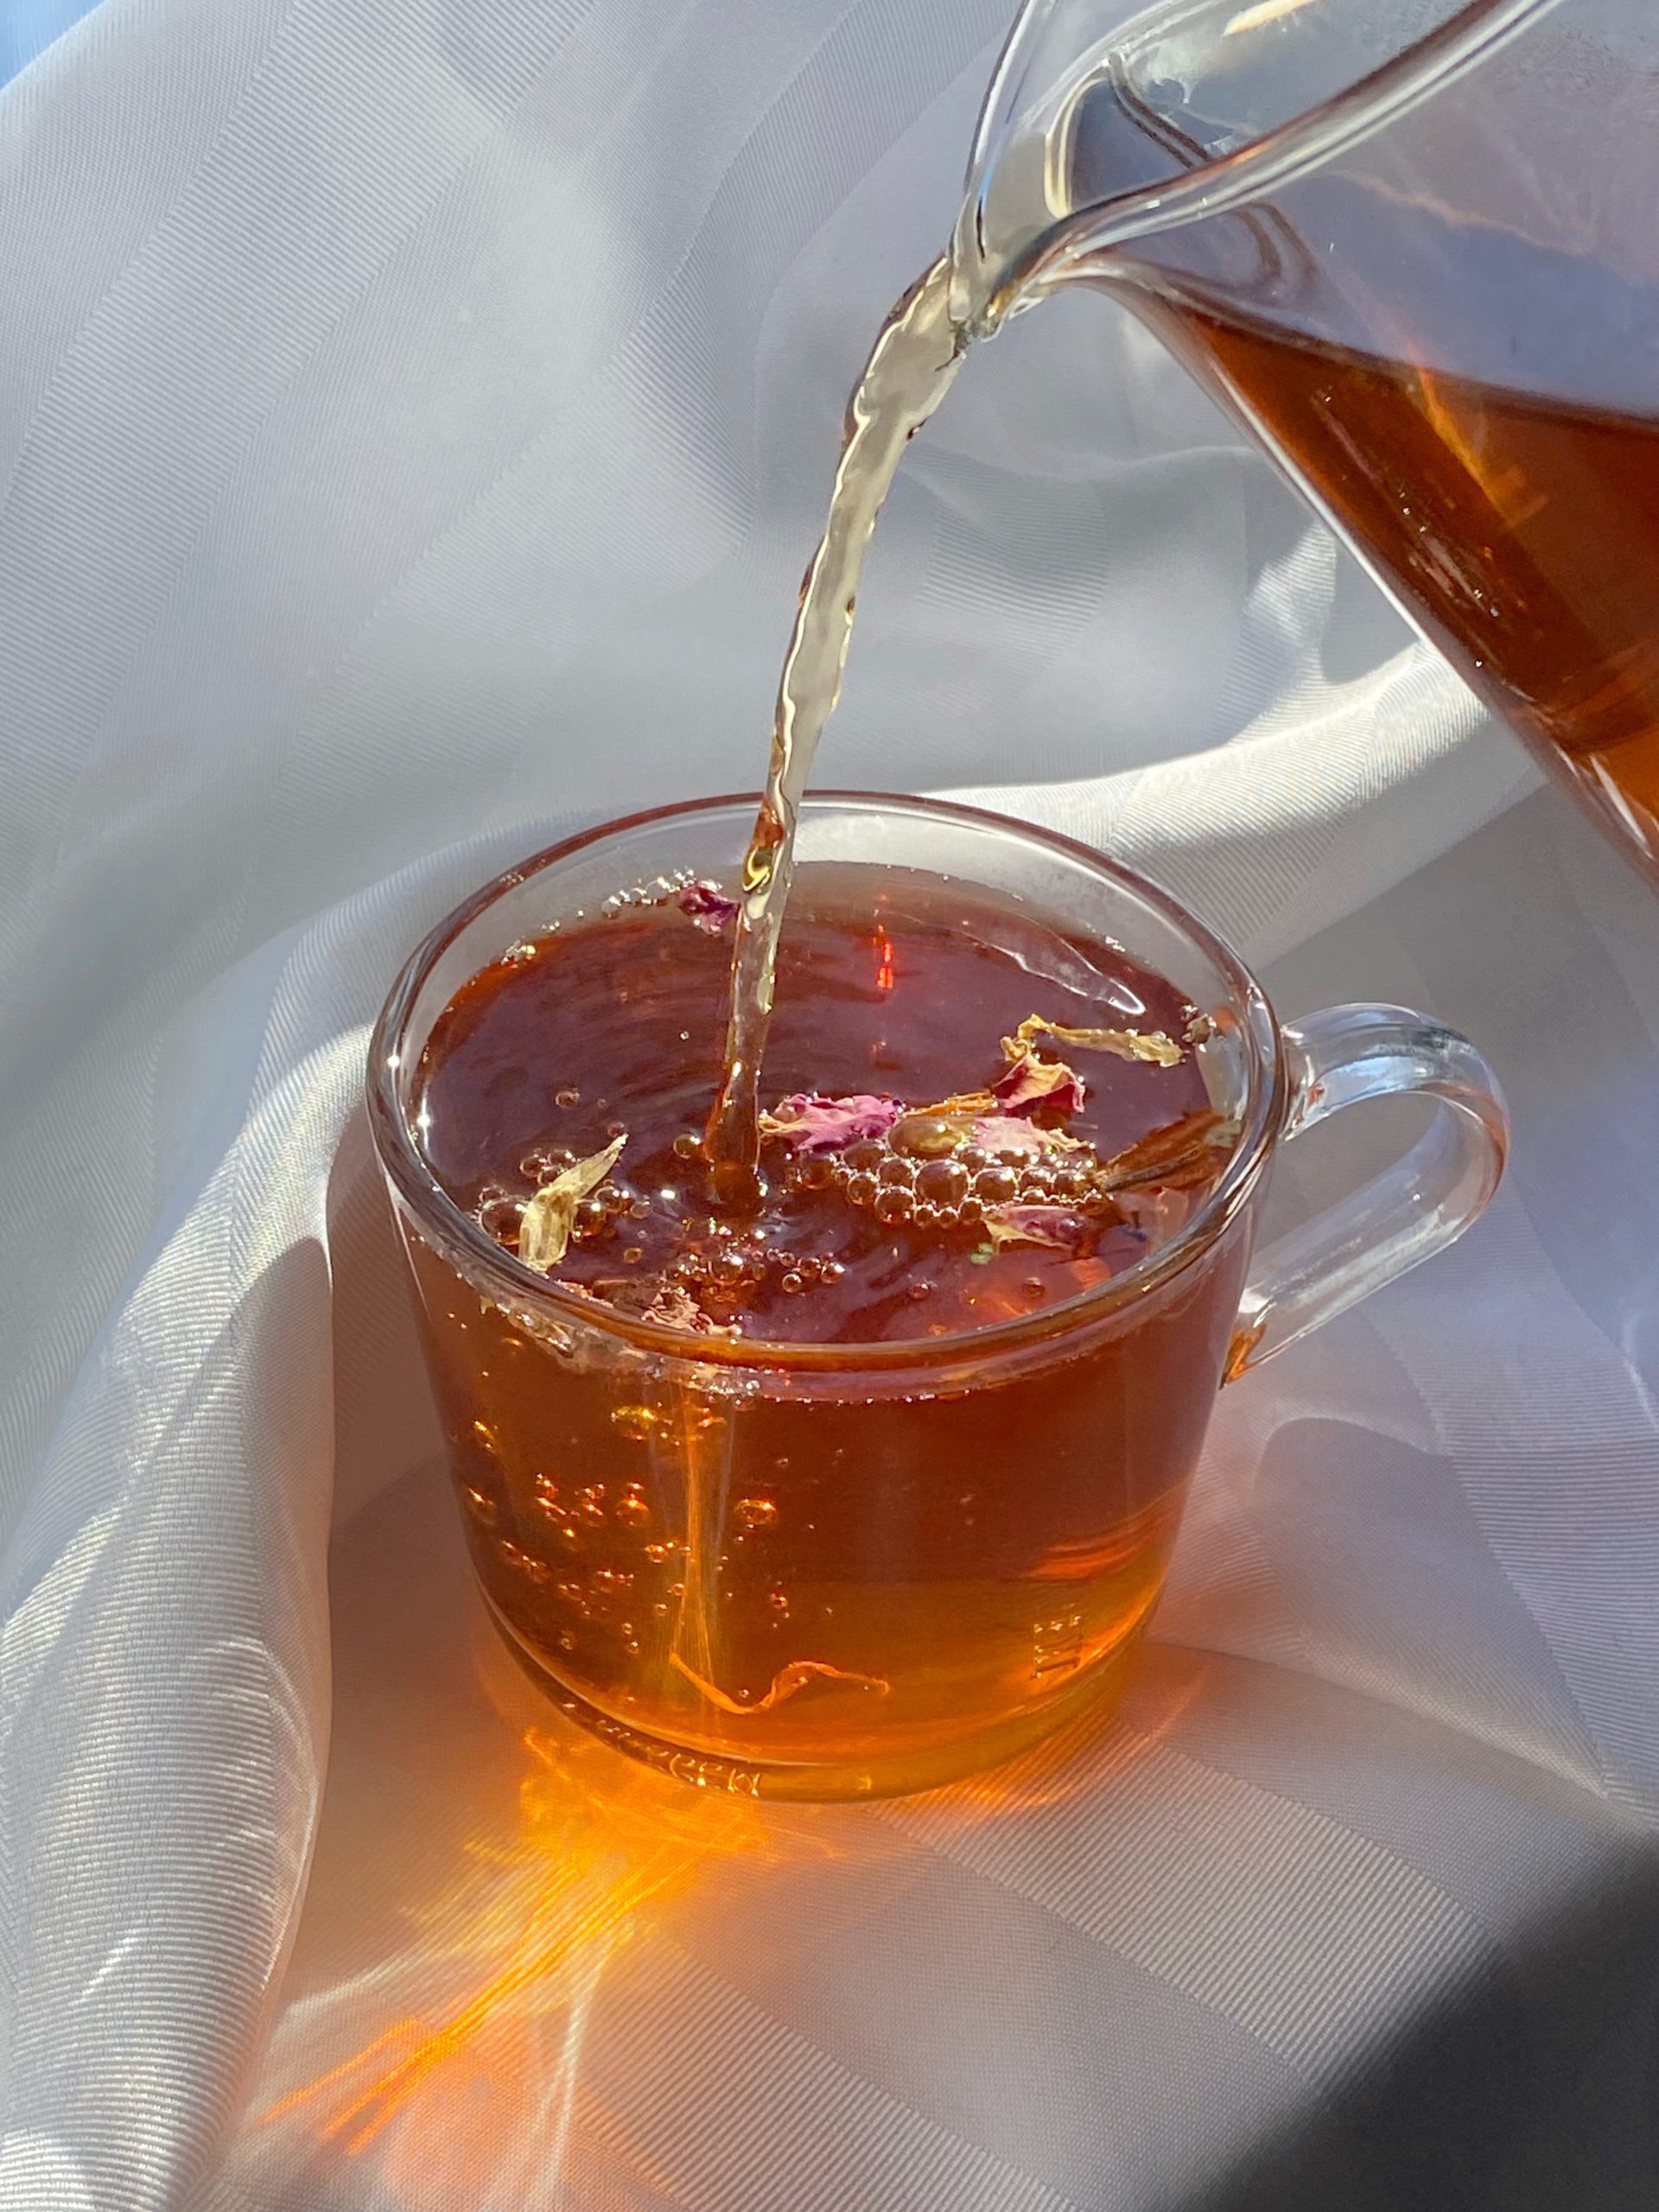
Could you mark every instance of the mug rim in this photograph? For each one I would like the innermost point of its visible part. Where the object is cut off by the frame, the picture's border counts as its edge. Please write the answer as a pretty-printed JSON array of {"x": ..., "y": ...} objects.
[{"x": 413, "y": 1179}]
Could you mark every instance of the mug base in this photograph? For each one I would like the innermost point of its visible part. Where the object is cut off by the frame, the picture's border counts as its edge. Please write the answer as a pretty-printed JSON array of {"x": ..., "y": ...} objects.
[{"x": 804, "y": 1782}]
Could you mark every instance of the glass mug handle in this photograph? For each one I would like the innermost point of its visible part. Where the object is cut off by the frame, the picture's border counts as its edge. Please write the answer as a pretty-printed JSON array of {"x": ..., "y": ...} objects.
[{"x": 1412, "y": 1210}]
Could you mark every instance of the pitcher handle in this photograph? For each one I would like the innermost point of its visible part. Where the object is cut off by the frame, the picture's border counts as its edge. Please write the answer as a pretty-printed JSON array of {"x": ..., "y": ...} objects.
[{"x": 1409, "y": 1212}]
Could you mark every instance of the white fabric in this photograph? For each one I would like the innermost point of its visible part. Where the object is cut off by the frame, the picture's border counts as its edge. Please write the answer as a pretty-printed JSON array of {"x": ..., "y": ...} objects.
[{"x": 413, "y": 422}]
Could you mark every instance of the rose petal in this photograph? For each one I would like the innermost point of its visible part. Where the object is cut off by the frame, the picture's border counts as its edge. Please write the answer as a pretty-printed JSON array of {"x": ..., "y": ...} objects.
[
  {"x": 809, "y": 1123},
  {"x": 675, "y": 1308},
  {"x": 1031, "y": 1082},
  {"x": 1154, "y": 1214},
  {"x": 1151, "y": 1045},
  {"x": 1009, "y": 1136},
  {"x": 958, "y": 1103},
  {"x": 708, "y": 906},
  {"x": 1014, "y": 1137},
  {"x": 545, "y": 1232},
  {"x": 1058, "y": 1228}
]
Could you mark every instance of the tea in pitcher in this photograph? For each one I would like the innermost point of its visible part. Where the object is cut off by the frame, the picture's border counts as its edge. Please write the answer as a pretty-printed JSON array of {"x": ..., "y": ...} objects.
[{"x": 1520, "y": 532}]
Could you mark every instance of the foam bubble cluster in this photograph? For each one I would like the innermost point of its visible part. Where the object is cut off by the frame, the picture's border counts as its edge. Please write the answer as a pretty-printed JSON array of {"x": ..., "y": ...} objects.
[{"x": 910, "y": 1178}]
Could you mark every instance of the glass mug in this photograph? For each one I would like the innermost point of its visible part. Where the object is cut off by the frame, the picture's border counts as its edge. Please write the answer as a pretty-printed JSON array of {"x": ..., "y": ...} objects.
[{"x": 967, "y": 1534}]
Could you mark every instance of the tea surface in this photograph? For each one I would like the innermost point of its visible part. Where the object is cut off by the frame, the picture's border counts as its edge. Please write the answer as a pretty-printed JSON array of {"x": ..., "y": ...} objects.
[{"x": 879, "y": 1221}]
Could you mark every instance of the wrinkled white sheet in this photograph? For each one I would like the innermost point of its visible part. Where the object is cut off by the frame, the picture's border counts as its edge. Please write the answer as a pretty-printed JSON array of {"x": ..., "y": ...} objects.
[{"x": 413, "y": 421}]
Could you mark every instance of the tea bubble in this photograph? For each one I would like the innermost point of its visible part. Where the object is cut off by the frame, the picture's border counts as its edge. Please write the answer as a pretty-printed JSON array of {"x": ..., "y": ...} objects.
[
  {"x": 637, "y": 1421},
  {"x": 924, "y": 1135},
  {"x": 754, "y": 1512},
  {"x": 862, "y": 1190},
  {"x": 501, "y": 1217},
  {"x": 942, "y": 1182},
  {"x": 996, "y": 1185}
]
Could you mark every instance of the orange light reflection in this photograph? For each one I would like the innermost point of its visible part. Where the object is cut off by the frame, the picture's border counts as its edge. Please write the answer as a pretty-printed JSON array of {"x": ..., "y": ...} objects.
[
  {"x": 535, "y": 1922},
  {"x": 487, "y": 2077}
]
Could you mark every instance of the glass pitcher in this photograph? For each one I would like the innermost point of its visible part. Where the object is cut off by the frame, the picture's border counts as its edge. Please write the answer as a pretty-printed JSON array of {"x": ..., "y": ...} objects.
[{"x": 1414, "y": 246}]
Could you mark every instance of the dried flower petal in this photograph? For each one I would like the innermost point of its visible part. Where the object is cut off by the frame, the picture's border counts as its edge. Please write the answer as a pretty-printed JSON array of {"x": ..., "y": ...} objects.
[
  {"x": 545, "y": 1232},
  {"x": 1012, "y": 1134},
  {"x": 809, "y": 1123},
  {"x": 1030, "y": 1082},
  {"x": 961, "y": 1102},
  {"x": 675, "y": 1308},
  {"x": 1181, "y": 1154},
  {"x": 1150, "y": 1045},
  {"x": 1155, "y": 1213},
  {"x": 1059, "y": 1228},
  {"x": 708, "y": 906},
  {"x": 1009, "y": 1136}
]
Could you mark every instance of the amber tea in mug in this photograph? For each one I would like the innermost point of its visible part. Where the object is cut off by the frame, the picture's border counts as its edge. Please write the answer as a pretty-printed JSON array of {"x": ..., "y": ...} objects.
[{"x": 876, "y": 1481}]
